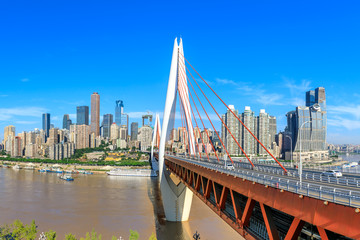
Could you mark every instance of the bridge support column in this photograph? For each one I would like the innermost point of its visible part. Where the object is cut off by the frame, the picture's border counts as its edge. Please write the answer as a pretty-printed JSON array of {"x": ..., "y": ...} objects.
[{"x": 177, "y": 199}]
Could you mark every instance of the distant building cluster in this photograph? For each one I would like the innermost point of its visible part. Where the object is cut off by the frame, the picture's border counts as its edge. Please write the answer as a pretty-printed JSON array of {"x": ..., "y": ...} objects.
[
  {"x": 57, "y": 144},
  {"x": 262, "y": 126},
  {"x": 305, "y": 125},
  {"x": 305, "y": 131}
]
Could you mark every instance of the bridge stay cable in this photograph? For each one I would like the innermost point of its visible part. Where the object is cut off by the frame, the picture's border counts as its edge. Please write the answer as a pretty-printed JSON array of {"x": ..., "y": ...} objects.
[
  {"x": 181, "y": 92},
  {"x": 210, "y": 122},
  {"x": 236, "y": 116},
  {"x": 197, "y": 110},
  {"x": 197, "y": 144},
  {"x": 186, "y": 127},
  {"x": 243, "y": 151},
  {"x": 183, "y": 128},
  {"x": 202, "y": 122},
  {"x": 207, "y": 154}
]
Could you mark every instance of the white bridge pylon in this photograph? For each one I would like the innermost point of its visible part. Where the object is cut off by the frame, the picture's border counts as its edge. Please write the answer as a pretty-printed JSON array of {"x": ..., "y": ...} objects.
[
  {"x": 155, "y": 142},
  {"x": 177, "y": 198}
]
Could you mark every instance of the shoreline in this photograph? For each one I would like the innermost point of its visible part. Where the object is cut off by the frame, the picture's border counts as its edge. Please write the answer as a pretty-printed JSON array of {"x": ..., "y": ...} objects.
[{"x": 92, "y": 168}]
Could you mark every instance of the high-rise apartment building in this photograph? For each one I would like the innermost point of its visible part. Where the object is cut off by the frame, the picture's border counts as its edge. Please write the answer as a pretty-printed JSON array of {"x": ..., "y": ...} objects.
[
  {"x": 81, "y": 136},
  {"x": 134, "y": 131},
  {"x": 95, "y": 113},
  {"x": 53, "y": 136},
  {"x": 106, "y": 124},
  {"x": 233, "y": 125},
  {"x": 262, "y": 126},
  {"x": 119, "y": 110},
  {"x": 82, "y": 115},
  {"x": 114, "y": 131},
  {"x": 66, "y": 118},
  {"x": 272, "y": 128},
  {"x": 8, "y": 130},
  {"x": 46, "y": 123},
  {"x": 262, "y": 132},
  {"x": 145, "y": 137}
]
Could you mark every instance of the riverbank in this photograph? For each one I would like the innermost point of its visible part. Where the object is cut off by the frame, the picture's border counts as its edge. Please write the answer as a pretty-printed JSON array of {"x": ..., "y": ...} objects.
[{"x": 65, "y": 167}]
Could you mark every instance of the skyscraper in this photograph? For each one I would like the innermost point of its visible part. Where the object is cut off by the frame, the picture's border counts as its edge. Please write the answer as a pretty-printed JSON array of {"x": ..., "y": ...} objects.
[
  {"x": 125, "y": 120},
  {"x": 46, "y": 123},
  {"x": 320, "y": 98},
  {"x": 9, "y": 130},
  {"x": 262, "y": 126},
  {"x": 310, "y": 98},
  {"x": 106, "y": 125},
  {"x": 119, "y": 110},
  {"x": 65, "y": 121},
  {"x": 95, "y": 113},
  {"x": 82, "y": 115},
  {"x": 68, "y": 123},
  {"x": 233, "y": 125},
  {"x": 312, "y": 133},
  {"x": 134, "y": 131}
]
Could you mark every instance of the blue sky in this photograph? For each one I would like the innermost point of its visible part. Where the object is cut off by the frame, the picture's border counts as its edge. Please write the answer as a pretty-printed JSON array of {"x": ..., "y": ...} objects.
[{"x": 263, "y": 54}]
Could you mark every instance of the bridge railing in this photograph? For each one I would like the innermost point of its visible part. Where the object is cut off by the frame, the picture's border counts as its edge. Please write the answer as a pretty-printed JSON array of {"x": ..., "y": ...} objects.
[
  {"x": 313, "y": 176},
  {"x": 331, "y": 194}
]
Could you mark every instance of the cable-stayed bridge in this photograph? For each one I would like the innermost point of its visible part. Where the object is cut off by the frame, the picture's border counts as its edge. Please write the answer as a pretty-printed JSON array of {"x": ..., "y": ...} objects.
[{"x": 257, "y": 200}]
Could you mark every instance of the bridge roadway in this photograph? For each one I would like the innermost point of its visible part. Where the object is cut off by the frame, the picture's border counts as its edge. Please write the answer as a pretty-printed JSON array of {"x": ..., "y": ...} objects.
[
  {"x": 259, "y": 205},
  {"x": 330, "y": 191},
  {"x": 350, "y": 182}
]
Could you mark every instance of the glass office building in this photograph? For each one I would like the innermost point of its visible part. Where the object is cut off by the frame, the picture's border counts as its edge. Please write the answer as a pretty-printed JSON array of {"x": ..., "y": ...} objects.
[
  {"x": 82, "y": 115},
  {"x": 119, "y": 110},
  {"x": 308, "y": 123}
]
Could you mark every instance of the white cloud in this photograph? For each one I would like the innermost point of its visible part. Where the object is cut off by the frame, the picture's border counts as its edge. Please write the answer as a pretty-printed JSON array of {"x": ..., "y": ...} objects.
[
  {"x": 8, "y": 113},
  {"x": 270, "y": 99},
  {"x": 25, "y": 80},
  {"x": 296, "y": 101},
  {"x": 304, "y": 86},
  {"x": 349, "y": 124},
  {"x": 225, "y": 81},
  {"x": 72, "y": 116},
  {"x": 297, "y": 90},
  {"x": 55, "y": 118},
  {"x": 261, "y": 95},
  {"x": 26, "y": 122},
  {"x": 348, "y": 110}
]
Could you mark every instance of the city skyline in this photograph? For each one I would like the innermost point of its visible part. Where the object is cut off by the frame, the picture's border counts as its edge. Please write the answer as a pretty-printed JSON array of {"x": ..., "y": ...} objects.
[{"x": 270, "y": 68}]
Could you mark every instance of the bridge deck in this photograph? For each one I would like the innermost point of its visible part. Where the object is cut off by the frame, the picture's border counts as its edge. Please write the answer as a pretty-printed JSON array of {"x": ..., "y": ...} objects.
[{"x": 239, "y": 196}]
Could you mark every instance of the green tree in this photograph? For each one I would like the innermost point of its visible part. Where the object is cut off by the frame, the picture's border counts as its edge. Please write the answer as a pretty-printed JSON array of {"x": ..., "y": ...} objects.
[
  {"x": 92, "y": 236},
  {"x": 5, "y": 232},
  {"x": 134, "y": 235},
  {"x": 50, "y": 235},
  {"x": 70, "y": 237},
  {"x": 20, "y": 231}
]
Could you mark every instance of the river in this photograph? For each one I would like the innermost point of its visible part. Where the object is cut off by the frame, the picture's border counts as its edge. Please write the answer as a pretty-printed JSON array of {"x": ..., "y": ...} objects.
[{"x": 110, "y": 205}]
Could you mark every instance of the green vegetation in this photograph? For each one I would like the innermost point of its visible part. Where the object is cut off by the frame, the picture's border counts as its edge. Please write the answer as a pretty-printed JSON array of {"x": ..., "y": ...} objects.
[{"x": 19, "y": 231}]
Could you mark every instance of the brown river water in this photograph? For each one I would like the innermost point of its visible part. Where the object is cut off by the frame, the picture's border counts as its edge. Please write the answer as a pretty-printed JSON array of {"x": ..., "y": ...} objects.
[{"x": 109, "y": 205}]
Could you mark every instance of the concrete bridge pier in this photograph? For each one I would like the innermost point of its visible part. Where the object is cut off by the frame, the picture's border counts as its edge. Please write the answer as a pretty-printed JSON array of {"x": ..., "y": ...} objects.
[{"x": 177, "y": 199}]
